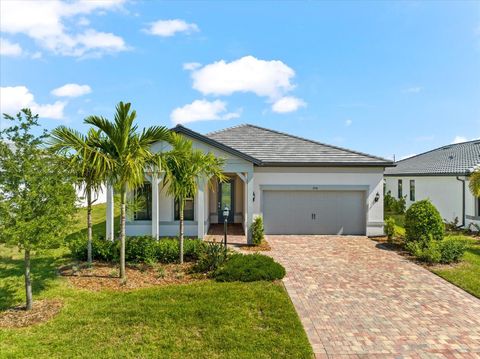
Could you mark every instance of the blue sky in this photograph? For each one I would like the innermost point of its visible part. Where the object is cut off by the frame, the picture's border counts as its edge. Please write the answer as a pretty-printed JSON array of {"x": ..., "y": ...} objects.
[{"x": 380, "y": 77}]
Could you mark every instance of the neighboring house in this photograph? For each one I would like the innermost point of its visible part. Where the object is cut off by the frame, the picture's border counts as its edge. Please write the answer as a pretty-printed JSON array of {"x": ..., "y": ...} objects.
[
  {"x": 440, "y": 175},
  {"x": 299, "y": 186}
]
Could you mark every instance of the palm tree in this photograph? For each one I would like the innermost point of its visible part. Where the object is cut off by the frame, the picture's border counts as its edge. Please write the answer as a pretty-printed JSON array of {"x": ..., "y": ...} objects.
[
  {"x": 126, "y": 153},
  {"x": 184, "y": 168},
  {"x": 71, "y": 142},
  {"x": 475, "y": 183}
]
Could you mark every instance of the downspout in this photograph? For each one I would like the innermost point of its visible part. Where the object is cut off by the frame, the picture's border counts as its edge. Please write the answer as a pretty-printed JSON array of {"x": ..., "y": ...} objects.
[{"x": 463, "y": 202}]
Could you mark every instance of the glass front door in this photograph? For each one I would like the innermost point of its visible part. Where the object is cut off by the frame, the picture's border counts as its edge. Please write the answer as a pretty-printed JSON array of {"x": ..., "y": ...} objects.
[{"x": 225, "y": 199}]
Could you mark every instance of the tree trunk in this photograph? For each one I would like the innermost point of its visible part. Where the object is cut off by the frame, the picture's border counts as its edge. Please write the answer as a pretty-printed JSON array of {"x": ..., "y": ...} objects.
[
  {"x": 28, "y": 282},
  {"x": 182, "y": 206},
  {"x": 122, "y": 233},
  {"x": 89, "y": 225}
]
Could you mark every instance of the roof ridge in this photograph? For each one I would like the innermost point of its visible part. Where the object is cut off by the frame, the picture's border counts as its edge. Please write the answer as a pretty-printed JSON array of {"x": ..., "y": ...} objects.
[
  {"x": 226, "y": 129},
  {"x": 437, "y": 148},
  {"x": 318, "y": 142}
]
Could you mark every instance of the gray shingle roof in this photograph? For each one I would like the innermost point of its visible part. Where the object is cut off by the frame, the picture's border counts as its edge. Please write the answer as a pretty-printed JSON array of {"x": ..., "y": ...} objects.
[
  {"x": 277, "y": 148},
  {"x": 455, "y": 159}
]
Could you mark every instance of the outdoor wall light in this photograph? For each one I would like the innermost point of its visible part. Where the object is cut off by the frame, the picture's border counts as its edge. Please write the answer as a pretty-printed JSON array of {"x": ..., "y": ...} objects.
[
  {"x": 377, "y": 197},
  {"x": 253, "y": 196}
]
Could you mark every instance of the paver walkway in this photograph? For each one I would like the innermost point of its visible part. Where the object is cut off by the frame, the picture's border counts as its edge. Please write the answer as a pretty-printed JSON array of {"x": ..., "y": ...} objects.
[{"x": 358, "y": 301}]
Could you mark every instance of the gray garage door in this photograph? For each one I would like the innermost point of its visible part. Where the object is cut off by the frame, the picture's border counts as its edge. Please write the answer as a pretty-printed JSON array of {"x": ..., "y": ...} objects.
[{"x": 314, "y": 212}]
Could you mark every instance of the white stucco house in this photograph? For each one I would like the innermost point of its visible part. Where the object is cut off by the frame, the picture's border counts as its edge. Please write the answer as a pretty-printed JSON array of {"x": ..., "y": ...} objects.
[
  {"x": 299, "y": 186},
  {"x": 440, "y": 175}
]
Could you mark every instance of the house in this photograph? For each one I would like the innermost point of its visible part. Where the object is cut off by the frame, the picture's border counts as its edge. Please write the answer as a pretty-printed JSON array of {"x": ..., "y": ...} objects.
[
  {"x": 299, "y": 186},
  {"x": 440, "y": 175}
]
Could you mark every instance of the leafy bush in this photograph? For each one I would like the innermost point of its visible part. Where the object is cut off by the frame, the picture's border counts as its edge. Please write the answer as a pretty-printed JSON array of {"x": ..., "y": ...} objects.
[
  {"x": 445, "y": 251},
  {"x": 102, "y": 249},
  {"x": 401, "y": 205},
  {"x": 257, "y": 231},
  {"x": 452, "y": 250},
  {"x": 423, "y": 223},
  {"x": 451, "y": 226},
  {"x": 140, "y": 249},
  {"x": 393, "y": 205},
  {"x": 211, "y": 258},
  {"x": 390, "y": 228},
  {"x": 249, "y": 268}
]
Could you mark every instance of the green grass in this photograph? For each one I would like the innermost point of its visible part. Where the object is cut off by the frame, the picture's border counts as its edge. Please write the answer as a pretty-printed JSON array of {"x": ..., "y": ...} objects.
[
  {"x": 466, "y": 274},
  {"x": 200, "y": 320}
]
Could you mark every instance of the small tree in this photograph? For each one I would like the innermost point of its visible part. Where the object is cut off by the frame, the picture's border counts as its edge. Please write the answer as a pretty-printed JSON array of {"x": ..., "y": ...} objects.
[
  {"x": 423, "y": 223},
  {"x": 474, "y": 183},
  {"x": 185, "y": 167},
  {"x": 257, "y": 231},
  {"x": 37, "y": 195}
]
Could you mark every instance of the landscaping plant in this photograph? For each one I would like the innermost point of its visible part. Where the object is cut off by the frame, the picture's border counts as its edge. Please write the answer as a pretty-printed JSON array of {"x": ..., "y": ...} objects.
[
  {"x": 257, "y": 231},
  {"x": 390, "y": 228},
  {"x": 186, "y": 169},
  {"x": 249, "y": 268},
  {"x": 211, "y": 258},
  {"x": 423, "y": 223},
  {"x": 37, "y": 195},
  {"x": 125, "y": 153}
]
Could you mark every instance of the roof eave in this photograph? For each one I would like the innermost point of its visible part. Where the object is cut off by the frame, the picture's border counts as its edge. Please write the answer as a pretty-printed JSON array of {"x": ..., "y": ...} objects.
[
  {"x": 327, "y": 164},
  {"x": 441, "y": 174}
]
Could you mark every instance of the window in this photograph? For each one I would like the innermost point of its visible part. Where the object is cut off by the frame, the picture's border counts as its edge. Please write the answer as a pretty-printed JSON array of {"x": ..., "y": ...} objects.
[
  {"x": 400, "y": 188},
  {"x": 188, "y": 210},
  {"x": 412, "y": 190},
  {"x": 143, "y": 203}
]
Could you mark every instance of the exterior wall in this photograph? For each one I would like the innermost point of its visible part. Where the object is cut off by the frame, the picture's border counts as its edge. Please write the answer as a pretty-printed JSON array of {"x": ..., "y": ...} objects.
[
  {"x": 445, "y": 192},
  {"x": 369, "y": 178}
]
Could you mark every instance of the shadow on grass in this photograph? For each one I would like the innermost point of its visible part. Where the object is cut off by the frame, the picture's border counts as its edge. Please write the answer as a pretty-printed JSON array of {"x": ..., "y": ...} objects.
[{"x": 43, "y": 268}]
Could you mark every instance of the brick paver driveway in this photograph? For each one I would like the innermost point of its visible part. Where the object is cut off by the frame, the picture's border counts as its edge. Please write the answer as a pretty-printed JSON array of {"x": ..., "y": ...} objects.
[{"x": 356, "y": 300}]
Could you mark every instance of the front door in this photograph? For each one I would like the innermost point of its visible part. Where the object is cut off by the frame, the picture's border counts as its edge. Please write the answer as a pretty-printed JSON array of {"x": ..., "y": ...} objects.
[{"x": 225, "y": 199}]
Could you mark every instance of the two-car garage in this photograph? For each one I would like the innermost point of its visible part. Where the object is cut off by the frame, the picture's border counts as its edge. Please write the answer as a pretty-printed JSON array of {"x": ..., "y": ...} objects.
[{"x": 314, "y": 212}]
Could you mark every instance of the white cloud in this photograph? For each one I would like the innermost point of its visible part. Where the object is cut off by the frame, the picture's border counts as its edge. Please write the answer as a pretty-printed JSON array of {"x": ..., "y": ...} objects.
[
  {"x": 8, "y": 48},
  {"x": 71, "y": 90},
  {"x": 287, "y": 104},
  {"x": 190, "y": 66},
  {"x": 167, "y": 28},
  {"x": 460, "y": 139},
  {"x": 413, "y": 89},
  {"x": 348, "y": 123},
  {"x": 270, "y": 79},
  {"x": 53, "y": 24},
  {"x": 13, "y": 99},
  {"x": 202, "y": 110}
]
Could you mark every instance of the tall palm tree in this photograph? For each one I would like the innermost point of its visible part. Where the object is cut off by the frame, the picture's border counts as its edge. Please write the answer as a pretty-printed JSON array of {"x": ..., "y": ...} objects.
[
  {"x": 79, "y": 147},
  {"x": 127, "y": 153},
  {"x": 475, "y": 183},
  {"x": 184, "y": 168}
]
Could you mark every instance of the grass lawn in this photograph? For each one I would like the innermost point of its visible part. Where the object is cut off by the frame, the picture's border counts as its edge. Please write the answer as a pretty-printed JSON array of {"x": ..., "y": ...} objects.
[
  {"x": 199, "y": 320},
  {"x": 466, "y": 274}
]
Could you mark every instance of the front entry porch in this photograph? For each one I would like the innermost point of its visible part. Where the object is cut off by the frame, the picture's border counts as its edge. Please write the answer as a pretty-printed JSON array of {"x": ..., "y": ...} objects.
[{"x": 235, "y": 234}]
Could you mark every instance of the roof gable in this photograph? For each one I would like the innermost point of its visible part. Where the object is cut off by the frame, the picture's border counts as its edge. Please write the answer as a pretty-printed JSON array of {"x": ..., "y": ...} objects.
[
  {"x": 276, "y": 148},
  {"x": 456, "y": 159}
]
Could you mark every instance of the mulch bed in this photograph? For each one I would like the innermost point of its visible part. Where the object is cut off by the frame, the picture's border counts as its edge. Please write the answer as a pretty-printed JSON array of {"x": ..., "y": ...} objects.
[
  {"x": 42, "y": 311},
  {"x": 105, "y": 276},
  {"x": 262, "y": 247}
]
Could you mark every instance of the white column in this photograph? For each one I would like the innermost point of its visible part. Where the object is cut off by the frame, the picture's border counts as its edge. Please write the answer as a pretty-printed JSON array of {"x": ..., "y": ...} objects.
[
  {"x": 200, "y": 204},
  {"x": 249, "y": 206},
  {"x": 245, "y": 196},
  {"x": 110, "y": 214},
  {"x": 155, "y": 213}
]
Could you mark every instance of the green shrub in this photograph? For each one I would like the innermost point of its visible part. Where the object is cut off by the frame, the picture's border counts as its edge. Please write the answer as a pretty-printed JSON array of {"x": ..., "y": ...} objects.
[
  {"x": 389, "y": 202},
  {"x": 138, "y": 249},
  {"x": 445, "y": 251},
  {"x": 213, "y": 255},
  {"x": 390, "y": 228},
  {"x": 423, "y": 223},
  {"x": 102, "y": 249},
  {"x": 401, "y": 205},
  {"x": 452, "y": 250},
  {"x": 249, "y": 268},
  {"x": 257, "y": 231}
]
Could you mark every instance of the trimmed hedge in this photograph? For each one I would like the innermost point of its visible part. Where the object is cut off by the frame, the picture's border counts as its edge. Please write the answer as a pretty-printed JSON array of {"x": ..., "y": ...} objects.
[
  {"x": 423, "y": 223},
  {"x": 141, "y": 249},
  {"x": 445, "y": 251},
  {"x": 249, "y": 268},
  {"x": 257, "y": 231}
]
